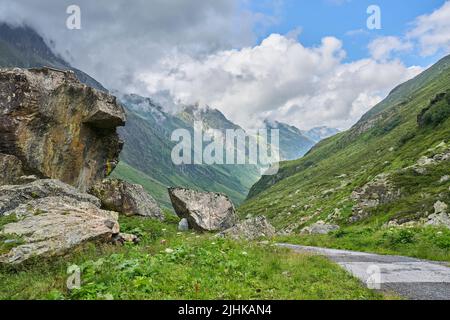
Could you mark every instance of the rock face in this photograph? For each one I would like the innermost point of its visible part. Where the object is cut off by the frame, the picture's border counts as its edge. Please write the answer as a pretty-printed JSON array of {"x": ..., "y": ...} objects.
[
  {"x": 57, "y": 127},
  {"x": 320, "y": 227},
  {"x": 250, "y": 229},
  {"x": 126, "y": 198},
  {"x": 50, "y": 221},
  {"x": 205, "y": 211},
  {"x": 10, "y": 169}
]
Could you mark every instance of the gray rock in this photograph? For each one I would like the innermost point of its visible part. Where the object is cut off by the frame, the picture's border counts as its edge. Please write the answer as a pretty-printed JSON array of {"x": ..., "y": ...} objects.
[
  {"x": 440, "y": 207},
  {"x": 183, "y": 225},
  {"x": 53, "y": 226},
  {"x": 10, "y": 169},
  {"x": 58, "y": 127},
  {"x": 123, "y": 238},
  {"x": 320, "y": 227},
  {"x": 444, "y": 179},
  {"x": 205, "y": 211},
  {"x": 12, "y": 196},
  {"x": 250, "y": 229},
  {"x": 126, "y": 198}
]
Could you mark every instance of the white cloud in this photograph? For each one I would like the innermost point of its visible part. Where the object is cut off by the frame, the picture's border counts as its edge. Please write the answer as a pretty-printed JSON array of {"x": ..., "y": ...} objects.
[
  {"x": 382, "y": 47},
  {"x": 432, "y": 32},
  {"x": 280, "y": 79}
]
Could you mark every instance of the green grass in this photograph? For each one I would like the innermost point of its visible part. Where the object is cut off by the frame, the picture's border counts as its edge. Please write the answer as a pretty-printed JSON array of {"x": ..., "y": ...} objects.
[
  {"x": 424, "y": 243},
  {"x": 195, "y": 267}
]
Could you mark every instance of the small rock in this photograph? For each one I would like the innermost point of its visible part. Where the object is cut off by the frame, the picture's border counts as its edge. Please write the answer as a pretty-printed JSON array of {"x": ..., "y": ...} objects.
[
  {"x": 440, "y": 207},
  {"x": 444, "y": 179},
  {"x": 123, "y": 238},
  {"x": 183, "y": 225},
  {"x": 320, "y": 227}
]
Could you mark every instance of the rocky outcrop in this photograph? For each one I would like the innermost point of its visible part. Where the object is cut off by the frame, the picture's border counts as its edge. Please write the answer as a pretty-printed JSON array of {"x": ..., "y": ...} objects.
[
  {"x": 126, "y": 198},
  {"x": 57, "y": 127},
  {"x": 205, "y": 211},
  {"x": 46, "y": 218},
  {"x": 250, "y": 229},
  {"x": 440, "y": 216},
  {"x": 11, "y": 196},
  {"x": 320, "y": 227}
]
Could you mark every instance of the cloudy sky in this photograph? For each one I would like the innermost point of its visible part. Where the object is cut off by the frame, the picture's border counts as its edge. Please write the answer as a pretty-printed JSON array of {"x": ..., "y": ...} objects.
[{"x": 306, "y": 63}]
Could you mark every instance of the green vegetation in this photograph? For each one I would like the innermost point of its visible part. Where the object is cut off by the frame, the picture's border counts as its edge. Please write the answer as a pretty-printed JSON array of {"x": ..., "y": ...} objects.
[
  {"x": 171, "y": 265},
  {"x": 389, "y": 139},
  {"x": 425, "y": 243}
]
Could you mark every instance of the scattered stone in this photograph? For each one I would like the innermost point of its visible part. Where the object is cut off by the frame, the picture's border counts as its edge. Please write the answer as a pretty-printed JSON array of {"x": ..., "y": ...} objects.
[
  {"x": 123, "y": 238},
  {"x": 53, "y": 226},
  {"x": 183, "y": 225},
  {"x": 205, "y": 211},
  {"x": 58, "y": 127},
  {"x": 378, "y": 191},
  {"x": 126, "y": 198},
  {"x": 320, "y": 227},
  {"x": 251, "y": 229},
  {"x": 444, "y": 179}
]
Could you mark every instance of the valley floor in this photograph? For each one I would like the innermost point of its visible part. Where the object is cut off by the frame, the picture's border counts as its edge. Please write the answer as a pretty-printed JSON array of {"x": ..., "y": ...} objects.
[
  {"x": 167, "y": 264},
  {"x": 410, "y": 278}
]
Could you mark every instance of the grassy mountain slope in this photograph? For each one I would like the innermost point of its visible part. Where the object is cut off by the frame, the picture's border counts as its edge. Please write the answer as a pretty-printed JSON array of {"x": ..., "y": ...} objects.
[{"x": 412, "y": 122}]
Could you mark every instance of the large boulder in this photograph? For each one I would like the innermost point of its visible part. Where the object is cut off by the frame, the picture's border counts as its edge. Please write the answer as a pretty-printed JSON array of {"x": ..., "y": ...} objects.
[
  {"x": 250, "y": 229},
  {"x": 11, "y": 196},
  {"x": 53, "y": 226},
  {"x": 126, "y": 198},
  {"x": 58, "y": 127},
  {"x": 205, "y": 211}
]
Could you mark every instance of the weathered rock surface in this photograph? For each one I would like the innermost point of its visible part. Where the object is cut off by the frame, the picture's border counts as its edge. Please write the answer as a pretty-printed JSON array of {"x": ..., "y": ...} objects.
[
  {"x": 126, "y": 198},
  {"x": 10, "y": 169},
  {"x": 58, "y": 127},
  {"x": 205, "y": 211},
  {"x": 250, "y": 229},
  {"x": 53, "y": 226},
  {"x": 440, "y": 216},
  {"x": 11, "y": 196},
  {"x": 320, "y": 227}
]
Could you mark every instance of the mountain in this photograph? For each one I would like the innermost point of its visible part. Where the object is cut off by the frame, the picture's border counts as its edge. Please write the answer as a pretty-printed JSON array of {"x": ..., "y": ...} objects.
[
  {"x": 293, "y": 142},
  {"x": 390, "y": 167},
  {"x": 23, "y": 47},
  {"x": 146, "y": 156},
  {"x": 320, "y": 133}
]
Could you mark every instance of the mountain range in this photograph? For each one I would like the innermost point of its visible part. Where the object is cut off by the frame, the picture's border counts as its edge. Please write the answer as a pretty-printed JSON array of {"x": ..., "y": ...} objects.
[{"x": 145, "y": 158}]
